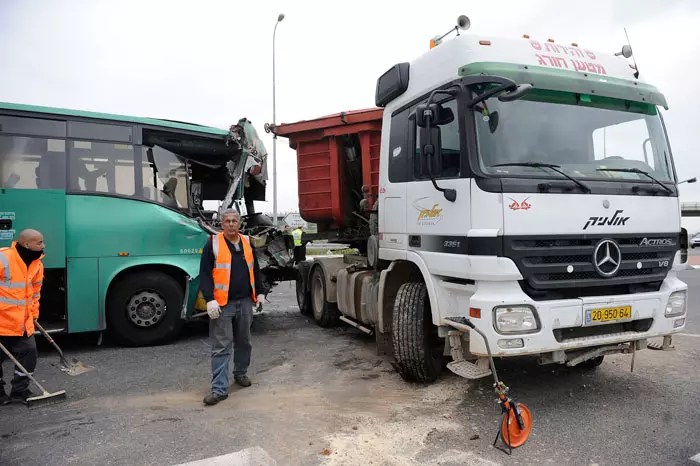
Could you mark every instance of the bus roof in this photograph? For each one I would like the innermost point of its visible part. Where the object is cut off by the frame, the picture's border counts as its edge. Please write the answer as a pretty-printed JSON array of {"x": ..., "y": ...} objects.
[{"x": 108, "y": 116}]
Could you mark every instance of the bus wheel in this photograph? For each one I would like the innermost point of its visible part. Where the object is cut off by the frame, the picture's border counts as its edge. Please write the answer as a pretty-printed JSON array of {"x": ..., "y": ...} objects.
[
  {"x": 144, "y": 308},
  {"x": 417, "y": 347},
  {"x": 303, "y": 294},
  {"x": 325, "y": 314}
]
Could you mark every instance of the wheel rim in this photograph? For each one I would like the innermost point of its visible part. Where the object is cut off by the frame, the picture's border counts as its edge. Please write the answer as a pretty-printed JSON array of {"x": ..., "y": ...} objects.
[
  {"x": 146, "y": 308},
  {"x": 317, "y": 295},
  {"x": 510, "y": 429}
]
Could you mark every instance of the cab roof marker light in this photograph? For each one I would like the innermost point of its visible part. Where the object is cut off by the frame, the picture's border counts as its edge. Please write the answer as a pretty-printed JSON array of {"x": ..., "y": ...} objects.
[
  {"x": 484, "y": 42},
  {"x": 526, "y": 36},
  {"x": 550, "y": 40},
  {"x": 574, "y": 44}
]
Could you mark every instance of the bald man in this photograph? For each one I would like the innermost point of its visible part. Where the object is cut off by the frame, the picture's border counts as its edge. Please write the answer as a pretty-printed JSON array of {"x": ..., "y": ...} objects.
[{"x": 21, "y": 276}]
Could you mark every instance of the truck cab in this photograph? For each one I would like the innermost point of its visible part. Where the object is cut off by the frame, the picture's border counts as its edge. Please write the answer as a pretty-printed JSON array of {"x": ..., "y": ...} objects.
[{"x": 525, "y": 187}]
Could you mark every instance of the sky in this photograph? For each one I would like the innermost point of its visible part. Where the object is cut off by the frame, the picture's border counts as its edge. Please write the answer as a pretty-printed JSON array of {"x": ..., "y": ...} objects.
[{"x": 210, "y": 62}]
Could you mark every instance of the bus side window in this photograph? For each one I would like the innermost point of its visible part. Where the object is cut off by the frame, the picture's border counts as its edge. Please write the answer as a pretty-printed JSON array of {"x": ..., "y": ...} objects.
[
  {"x": 102, "y": 167},
  {"x": 32, "y": 163}
]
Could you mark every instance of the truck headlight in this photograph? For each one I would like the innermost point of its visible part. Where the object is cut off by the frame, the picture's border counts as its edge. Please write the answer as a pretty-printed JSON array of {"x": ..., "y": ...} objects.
[
  {"x": 515, "y": 319},
  {"x": 676, "y": 304}
]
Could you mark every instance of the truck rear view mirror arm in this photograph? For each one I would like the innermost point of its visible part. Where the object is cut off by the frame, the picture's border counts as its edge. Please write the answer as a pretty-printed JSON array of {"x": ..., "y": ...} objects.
[{"x": 512, "y": 92}]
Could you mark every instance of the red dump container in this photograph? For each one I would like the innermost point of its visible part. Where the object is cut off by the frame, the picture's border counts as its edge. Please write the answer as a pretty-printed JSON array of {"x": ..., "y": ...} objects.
[{"x": 325, "y": 192}]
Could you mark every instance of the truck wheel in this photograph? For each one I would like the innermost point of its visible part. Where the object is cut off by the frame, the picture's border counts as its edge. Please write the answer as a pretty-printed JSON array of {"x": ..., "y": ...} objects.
[
  {"x": 303, "y": 294},
  {"x": 143, "y": 309},
  {"x": 326, "y": 314},
  {"x": 417, "y": 347}
]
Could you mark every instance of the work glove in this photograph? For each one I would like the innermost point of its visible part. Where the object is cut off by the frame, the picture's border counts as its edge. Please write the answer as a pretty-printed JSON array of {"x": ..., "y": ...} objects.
[
  {"x": 213, "y": 309},
  {"x": 259, "y": 304}
]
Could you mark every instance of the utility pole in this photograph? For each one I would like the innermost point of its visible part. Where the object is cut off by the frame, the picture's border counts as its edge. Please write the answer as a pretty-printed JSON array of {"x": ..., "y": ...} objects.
[{"x": 280, "y": 17}]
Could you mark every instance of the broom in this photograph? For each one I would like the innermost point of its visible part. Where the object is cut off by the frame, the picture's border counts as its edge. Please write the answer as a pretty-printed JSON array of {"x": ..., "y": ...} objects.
[{"x": 45, "y": 398}]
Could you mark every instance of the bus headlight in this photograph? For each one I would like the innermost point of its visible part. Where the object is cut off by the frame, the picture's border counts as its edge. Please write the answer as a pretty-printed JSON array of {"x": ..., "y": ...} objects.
[
  {"x": 676, "y": 304},
  {"x": 515, "y": 319}
]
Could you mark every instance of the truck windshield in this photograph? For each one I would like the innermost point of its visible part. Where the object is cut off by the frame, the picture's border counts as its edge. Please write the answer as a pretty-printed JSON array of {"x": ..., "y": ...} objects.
[
  {"x": 580, "y": 136},
  {"x": 165, "y": 177}
]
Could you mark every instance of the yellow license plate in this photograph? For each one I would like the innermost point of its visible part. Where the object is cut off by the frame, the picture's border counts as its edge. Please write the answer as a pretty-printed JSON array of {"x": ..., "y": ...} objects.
[{"x": 608, "y": 314}]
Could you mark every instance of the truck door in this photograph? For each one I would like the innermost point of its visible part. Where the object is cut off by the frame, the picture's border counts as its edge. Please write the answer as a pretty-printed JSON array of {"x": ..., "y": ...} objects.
[
  {"x": 32, "y": 182},
  {"x": 437, "y": 227}
]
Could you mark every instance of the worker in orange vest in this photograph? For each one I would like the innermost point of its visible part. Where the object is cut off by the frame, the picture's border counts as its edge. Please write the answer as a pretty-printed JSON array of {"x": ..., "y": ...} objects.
[
  {"x": 21, "y": 276},
  {"x": 231, "y": 283}
]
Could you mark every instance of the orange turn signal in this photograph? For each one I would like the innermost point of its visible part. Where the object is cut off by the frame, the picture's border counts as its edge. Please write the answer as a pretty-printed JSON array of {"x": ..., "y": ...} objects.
[{"x": 475, "y": 313}]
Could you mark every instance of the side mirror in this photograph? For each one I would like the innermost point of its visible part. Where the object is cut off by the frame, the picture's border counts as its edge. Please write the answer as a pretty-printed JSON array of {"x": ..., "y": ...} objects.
[
  {"x": 438, "y": 114},
  {"x": 430, "y": 142},
  {"x": 689, "y": 181},
  {"x": 519, "y": 92},
  {"x": 425, "y": 111}
]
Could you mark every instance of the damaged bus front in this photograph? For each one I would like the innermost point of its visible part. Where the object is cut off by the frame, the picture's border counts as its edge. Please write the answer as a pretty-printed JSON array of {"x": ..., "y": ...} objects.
[{"x": 120, "y": 201}]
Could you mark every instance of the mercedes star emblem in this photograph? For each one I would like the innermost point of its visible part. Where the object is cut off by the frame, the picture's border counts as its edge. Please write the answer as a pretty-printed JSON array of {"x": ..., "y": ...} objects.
[
  {"x": 607, "y": 258},
  {"x": 606, "y": 203}
]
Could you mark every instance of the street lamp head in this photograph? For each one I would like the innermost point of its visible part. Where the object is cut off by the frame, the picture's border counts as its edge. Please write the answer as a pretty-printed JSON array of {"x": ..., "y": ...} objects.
[{"x": 280, "y": 17}]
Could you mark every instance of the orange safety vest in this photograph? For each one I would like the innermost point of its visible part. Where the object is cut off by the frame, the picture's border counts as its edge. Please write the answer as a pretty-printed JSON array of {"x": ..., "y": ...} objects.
[
  {"x": 222, "y": 267},
  {"x": 20, "y": 290}
]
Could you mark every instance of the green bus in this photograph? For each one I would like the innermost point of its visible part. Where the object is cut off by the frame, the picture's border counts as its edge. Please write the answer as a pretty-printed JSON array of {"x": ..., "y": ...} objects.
[{"x": 120, "y": 202}]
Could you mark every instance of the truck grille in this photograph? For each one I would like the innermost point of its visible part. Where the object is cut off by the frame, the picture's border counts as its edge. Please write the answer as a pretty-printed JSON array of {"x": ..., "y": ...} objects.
[{"x": 544, "y": 263}]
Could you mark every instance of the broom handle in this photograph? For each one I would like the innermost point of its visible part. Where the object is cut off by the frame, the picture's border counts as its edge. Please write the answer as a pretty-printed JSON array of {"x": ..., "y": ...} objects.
[
  {"x": 26, "y": 372},
  {"x": 51, "y": 340}
]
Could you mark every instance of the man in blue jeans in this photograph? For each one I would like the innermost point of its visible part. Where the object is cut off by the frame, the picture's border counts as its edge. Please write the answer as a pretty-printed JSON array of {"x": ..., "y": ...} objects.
[{"x": 231, "y": 283}]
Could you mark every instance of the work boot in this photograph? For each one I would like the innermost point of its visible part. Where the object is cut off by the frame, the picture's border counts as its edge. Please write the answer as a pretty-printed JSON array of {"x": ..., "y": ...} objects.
[
  {"x": 242, "y": 380},
  {"x": 4, "y": 399},
  {"x": 214, "y": 398},
  {"x": 21, "y": 396}
]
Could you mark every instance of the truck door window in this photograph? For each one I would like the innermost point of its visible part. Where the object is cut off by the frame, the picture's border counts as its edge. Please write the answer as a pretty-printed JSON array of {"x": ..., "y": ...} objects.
[
  {"x": 449, "y": 148},
  {"x": 398, "y": 149},
  {"x": 102, "y": 167},
  {"x": 32, "y": 163}
]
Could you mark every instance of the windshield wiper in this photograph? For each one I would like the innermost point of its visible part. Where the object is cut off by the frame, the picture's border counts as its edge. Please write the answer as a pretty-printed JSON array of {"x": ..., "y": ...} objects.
[
  {"x": 545, "y": 165},
  {"x": 636, "y": 170}
]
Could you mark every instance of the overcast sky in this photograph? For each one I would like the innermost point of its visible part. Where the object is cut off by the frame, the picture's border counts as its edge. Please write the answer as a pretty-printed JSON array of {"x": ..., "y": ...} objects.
[{"x": 210, "y": 62}]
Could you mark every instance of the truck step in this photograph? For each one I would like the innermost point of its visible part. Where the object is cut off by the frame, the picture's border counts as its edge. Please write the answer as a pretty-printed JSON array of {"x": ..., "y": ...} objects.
[{"x": 468, "y": 370}]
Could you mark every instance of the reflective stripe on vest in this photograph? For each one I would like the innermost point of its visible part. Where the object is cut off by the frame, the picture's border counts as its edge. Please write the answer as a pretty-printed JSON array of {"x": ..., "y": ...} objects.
[{"x": 222, "y": 267}]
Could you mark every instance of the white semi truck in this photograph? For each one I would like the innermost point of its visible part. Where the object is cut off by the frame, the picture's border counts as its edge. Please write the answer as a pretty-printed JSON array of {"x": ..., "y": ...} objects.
[{"x": 522, "y": 186}]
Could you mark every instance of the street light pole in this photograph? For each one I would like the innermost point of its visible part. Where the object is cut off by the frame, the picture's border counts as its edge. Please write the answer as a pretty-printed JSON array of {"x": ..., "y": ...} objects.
[{"x": 274, "y": 122}]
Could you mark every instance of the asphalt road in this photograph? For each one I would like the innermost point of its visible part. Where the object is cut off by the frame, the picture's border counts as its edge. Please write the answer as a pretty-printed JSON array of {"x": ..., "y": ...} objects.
[{"x": 323, "y": 397}]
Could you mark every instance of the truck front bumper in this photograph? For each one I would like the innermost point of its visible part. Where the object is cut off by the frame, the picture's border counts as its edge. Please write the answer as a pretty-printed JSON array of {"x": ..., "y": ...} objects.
[{"x": 562, "y": 324}]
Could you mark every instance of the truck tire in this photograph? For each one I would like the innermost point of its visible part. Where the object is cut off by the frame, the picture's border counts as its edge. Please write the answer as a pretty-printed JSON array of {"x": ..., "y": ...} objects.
[
  {"x": 417, "y": 348},
  {"x": 325, "y": 314},
  {"x": 143, "y": 309},
  {"x": 303, "y": 294}
]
